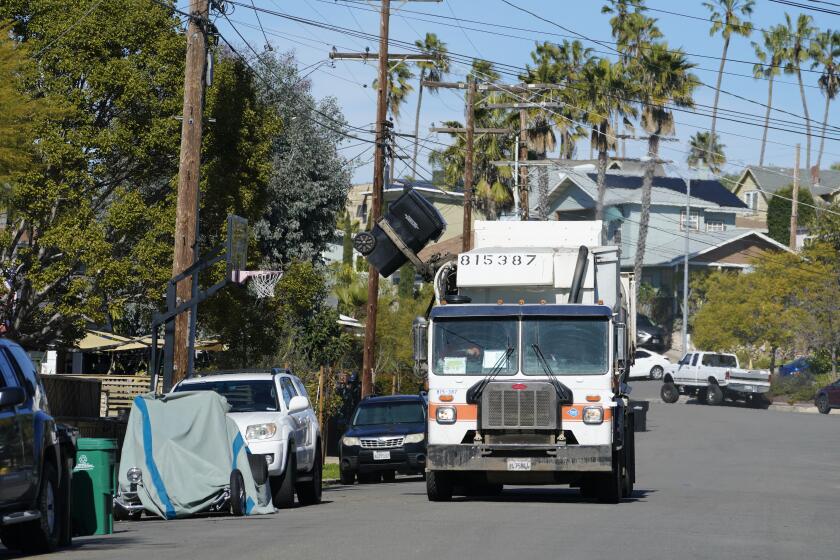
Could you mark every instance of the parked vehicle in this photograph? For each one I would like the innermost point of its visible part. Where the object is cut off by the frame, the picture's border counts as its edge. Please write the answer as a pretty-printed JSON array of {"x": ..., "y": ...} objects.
[
  {"x": 184, "y": 455},
  {"x": 275, "y": 417},
  {"x": 828, "y": 397},
  {"x": 713, "y": 377},
  {"x": 796, "y": 367},
  {"x": 649, "y": 365},
  {"x": 649, "y": 335},
  {"x": 36, "y": 460},
  {"x": 386, "y": 435},
  {"x": 526, "y": 348}
]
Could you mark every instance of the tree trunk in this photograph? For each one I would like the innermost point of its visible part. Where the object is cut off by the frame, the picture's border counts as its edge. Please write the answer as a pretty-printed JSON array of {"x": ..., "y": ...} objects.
[
  {"x": 709, "y": 157},
  {"x": 543, "y": 190},
  {"x": 773, "y": 360},
  {"x": 834, "y": 362},
  {"x": 647, "y": 186},
  {"x": 417, "y": 127},
  {"x": 766, "y": 120},
  {"x": 824, "y": 126},
  {"x": 807, "y": 122},
  {"x": 602, "y": 179}
]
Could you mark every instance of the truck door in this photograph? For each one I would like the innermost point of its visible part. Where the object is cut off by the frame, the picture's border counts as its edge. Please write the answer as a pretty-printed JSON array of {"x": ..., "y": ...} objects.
[
  {"x": 299, "y": 420},
  {"x": 13, "y": 472},
  {"x": 682, "y": 372},
  {"x": 694, "y": 369}
]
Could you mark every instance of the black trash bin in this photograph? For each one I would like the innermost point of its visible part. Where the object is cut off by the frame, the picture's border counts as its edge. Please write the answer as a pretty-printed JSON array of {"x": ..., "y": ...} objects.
[
  {"x": 415, "y": 221},
  {"x": 640, "y": 410}
]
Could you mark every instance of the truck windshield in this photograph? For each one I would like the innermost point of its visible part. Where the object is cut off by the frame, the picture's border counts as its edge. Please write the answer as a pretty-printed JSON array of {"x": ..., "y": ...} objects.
[
  {"x": 571, "y": 346},
  {"x": 474, "y": 346}
]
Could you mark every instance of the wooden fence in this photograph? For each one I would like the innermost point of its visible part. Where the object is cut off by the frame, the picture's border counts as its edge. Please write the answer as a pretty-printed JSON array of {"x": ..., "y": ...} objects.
[{"x": 115, "y": 395}]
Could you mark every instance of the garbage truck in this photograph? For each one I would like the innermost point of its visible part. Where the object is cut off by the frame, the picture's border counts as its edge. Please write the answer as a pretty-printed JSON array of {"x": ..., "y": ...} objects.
[{"x": 526, "y": 348}]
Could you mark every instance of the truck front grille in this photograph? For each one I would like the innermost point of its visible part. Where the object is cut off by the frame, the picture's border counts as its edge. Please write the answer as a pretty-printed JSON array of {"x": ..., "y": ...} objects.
[
  {"x": 531, "y": 407},
  {"x": 382, "y": 443}
]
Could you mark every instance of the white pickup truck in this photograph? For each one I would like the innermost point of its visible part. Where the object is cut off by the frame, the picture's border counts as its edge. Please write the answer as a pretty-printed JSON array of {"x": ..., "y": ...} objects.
[{"x": 713, "y": 377}]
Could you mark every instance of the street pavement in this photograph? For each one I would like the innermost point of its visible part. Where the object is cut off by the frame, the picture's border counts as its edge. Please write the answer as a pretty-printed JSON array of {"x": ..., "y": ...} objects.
[{"x": 724, "y": 482}]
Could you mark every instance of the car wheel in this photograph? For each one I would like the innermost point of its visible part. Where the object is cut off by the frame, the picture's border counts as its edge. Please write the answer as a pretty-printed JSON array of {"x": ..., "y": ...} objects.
[
  {"x": 822, "y": 404},
  {"x": 42, "y": 535},
  {"x": 438, "y": 486},
  {"x": 283, "y": 486},
  {"x": 714, "y": 395},
  {"x": 669, "y": 393},
  {"x": 238, "y": 497},
  {"x": 347, "y": 477},
  {"x": 389, "y": 476},
  {"x": 758, "y": 401},
  {"x": 656, "y": 372},
  {"x": 309, "y": 493}
]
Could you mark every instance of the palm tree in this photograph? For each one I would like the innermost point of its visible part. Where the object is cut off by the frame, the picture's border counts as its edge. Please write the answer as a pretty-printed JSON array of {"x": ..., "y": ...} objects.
[
  {"x": 795, "y": 55},
  {"x": 726, "y": 21},
  {"x": 771, "y": 57},
  {"x": 632, "y": 30},
  {"x": 432, "y": 71},
  {"x": 664, "y": 80},
  {"x": 398, "y": 87},
  {"x": 706, "y": 149},
  {"x": 605, "y": 90},
  {"x": 826, "y": 54}
]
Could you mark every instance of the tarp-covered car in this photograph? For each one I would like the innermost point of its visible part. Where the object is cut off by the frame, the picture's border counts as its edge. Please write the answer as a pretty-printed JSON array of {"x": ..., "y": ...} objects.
[{"x": 182, "y": 455}]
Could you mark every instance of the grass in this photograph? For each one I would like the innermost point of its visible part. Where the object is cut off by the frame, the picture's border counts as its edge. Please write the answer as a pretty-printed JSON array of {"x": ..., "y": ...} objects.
[
  {"x": 799, "y": 388},
  {"x": 330, "y": 471}
]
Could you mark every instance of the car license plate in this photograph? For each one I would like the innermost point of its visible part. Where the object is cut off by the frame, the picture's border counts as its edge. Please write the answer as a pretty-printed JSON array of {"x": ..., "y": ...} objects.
[
  {"x": 381, "y": 455},
  {"x": 519, "y": 464}
]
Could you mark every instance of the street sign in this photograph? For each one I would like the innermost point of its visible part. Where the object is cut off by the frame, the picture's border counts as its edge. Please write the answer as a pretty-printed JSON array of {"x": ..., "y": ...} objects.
[{"x": 237, "y": 245}]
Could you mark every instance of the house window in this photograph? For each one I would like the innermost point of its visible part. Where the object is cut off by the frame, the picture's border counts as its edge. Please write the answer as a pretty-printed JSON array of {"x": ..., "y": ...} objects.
[
  {"x": 693, "y": 222},
  {"x": 715, "y": 225},
  {"x": 751, "y": 199}
]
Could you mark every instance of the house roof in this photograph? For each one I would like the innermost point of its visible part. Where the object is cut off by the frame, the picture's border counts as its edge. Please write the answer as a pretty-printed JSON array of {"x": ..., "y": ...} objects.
[
  {"x": 624, "y": 188},
  {"x": 672, "y": 251},
  {"x": 774, "y": 179}
]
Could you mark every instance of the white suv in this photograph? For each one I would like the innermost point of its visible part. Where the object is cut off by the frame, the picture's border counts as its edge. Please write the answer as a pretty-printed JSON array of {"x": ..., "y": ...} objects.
[{"x": 276, "y": 419}]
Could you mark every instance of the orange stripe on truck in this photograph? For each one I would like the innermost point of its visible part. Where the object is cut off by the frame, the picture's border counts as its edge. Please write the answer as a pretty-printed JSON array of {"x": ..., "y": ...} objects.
[
  {"x": 469, "y": 412},
  {"x": 577, "y": 415}
]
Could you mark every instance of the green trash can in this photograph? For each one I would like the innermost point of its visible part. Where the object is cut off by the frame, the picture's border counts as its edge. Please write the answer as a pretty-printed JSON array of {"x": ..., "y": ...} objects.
[{"x": 93, "y": 486}]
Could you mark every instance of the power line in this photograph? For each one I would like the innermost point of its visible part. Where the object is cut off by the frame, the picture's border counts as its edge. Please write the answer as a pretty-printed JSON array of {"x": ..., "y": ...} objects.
[{"x": 69, "y": 28}]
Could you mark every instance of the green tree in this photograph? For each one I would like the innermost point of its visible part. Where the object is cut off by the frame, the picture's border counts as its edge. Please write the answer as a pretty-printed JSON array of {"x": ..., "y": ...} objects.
[
  {"x": 90, "y": 224},
  {"x": 778, "y": 213},
  {"x": 825, "y": 50},
  {"x": 728, "y": 17},
  {"x": 796, "y": 55},
  {"x": 771, "y": 56},
  {"x": 433, "y": 72},
  {"x": 665, "y": 81},
  {"x": 394, "y": 350},
  {"x": 398, "y": 89},
  {"x": 632, "y": 29},
  {"x": 710, "y": 152}
]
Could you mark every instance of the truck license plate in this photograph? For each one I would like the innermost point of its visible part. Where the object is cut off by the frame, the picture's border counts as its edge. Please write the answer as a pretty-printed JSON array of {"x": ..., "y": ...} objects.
[
  {"x": 519, "y": 464},
  {"x": 381, "y": 455},
  {"x": 748, "y": 387}
]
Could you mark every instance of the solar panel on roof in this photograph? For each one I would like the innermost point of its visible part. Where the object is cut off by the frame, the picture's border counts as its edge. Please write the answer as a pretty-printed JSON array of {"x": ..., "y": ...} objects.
[{"x": 704, "y": 189}]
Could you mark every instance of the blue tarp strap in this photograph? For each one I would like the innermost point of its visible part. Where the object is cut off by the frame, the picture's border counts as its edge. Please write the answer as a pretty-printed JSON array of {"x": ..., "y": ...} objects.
[
  {"x": 238, "y": 444},
  {"x": 148, "y": 450}
]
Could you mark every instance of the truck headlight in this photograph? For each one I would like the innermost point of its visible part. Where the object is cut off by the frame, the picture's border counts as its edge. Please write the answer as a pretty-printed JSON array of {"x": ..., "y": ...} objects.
[
  {"x": 134, "y": 475},
  {"x": 260, "y": 431},
  {"x": 350, "y": 441},
  {"x": 414, "y": 438},
  {"x": 593, "y": 415},
  {"x": 446, "y": 415}
]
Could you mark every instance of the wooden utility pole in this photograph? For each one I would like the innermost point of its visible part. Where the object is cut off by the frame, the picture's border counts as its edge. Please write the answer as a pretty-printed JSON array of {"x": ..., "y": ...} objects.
[
  {"x": 794, "y": 203},
  {"x": 468, "y": 167},
  {"x": 524, "y": 212},
  {"x": 186, "y": 219}
]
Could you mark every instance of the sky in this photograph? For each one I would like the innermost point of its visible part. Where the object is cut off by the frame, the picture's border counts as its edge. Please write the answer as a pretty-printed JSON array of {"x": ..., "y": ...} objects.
[{"x": 482, "y": 37}]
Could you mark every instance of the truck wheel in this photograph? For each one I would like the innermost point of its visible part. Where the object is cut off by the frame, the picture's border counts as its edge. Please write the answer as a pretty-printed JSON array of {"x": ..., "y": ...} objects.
[
  {"x": 238, "y": 497},
  {"x": 714, "y": 395},
  {"x": 822, "y": 404},
  {"x": 701, "y": 395},
  {"x": 309, "y": 493},
  {"x": 389, "y": 476},
  {"x": 656, "y": 372},
  {"x": 283, "y": 486},
  {"x": 758, "y": 401},
  {"x": 438, "y": 486},
  {"x": 348, "y": 477},
  {"x": 669, "y": 393},
  {"x": 42, "y": 535}
]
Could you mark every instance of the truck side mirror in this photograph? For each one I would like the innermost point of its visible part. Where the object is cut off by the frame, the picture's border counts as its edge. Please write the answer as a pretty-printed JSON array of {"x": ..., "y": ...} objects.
[
  {"x": 621, "y": 343},
  {"x": 419, "y": 337},
  {"x": 11, "y": 397}
]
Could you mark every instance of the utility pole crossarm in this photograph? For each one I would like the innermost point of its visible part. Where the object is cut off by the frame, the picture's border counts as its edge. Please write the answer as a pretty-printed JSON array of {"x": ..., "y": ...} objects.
[
  {"x": 461, "y": 130},
  {"x": 391, "y": 56},
  {"x": 444, "y": 85},
  {"x": 534, "y": 105}
]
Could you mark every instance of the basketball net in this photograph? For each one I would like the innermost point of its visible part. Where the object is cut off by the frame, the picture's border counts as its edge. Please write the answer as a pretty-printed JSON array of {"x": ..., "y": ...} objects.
[{"x": 261, "y": 284}]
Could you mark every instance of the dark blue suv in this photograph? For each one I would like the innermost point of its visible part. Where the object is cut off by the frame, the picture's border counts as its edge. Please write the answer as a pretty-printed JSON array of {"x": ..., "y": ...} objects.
[{"x": 386, "y": 435}]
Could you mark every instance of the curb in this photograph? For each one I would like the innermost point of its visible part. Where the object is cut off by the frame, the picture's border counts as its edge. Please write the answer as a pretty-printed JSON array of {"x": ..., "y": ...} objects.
[{"x": 800, "y": 408}]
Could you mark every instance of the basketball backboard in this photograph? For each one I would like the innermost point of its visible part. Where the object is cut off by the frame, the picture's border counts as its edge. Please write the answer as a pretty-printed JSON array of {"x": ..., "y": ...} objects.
[{"x": 237, "y": 244}]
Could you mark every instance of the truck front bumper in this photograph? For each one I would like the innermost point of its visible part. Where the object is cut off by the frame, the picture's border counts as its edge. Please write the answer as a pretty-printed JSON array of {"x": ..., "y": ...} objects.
[{"x": 543, "y": 458}]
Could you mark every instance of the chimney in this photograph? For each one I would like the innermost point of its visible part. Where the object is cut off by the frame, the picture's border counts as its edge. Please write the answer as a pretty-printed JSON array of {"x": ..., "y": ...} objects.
[{"x": 815, "y": 176}]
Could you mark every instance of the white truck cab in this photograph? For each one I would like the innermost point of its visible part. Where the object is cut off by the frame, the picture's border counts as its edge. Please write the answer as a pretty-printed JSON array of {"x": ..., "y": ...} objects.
[
  {"x": 526, "y": 351},
  {"x": 713, "y": 377},
  {"x": 276, "y": 419}
]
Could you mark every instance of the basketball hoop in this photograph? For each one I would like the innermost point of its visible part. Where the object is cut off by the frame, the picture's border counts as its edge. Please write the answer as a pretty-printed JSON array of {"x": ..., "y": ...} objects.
[{"x": 261, "y": 283}]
